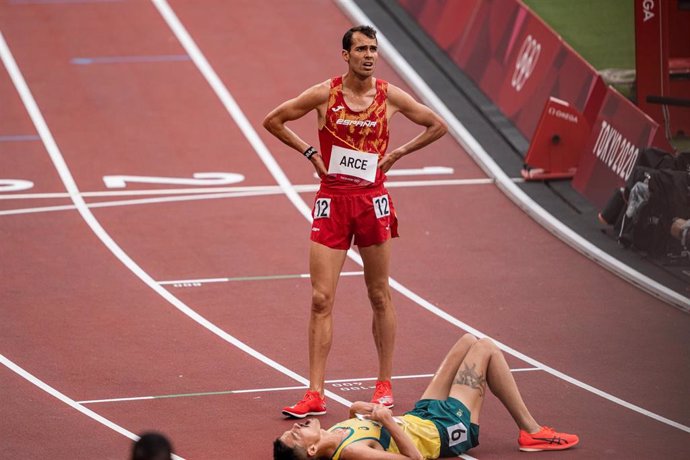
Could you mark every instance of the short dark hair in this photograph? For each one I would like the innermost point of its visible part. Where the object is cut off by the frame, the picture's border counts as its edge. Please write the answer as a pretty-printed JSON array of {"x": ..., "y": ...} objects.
[
  {"x": 152, "y": 446},
  {"x": 282, "y": 451},
  {"x": 366, "y": 30}
]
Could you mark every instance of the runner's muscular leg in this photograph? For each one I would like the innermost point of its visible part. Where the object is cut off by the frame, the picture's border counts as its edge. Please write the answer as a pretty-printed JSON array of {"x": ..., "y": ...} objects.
[
  {"x": 376, "y": 260},
  {"x": 324, "y": 268},
  {"x": 485, "y": 364},
  {"x": 439, "y": 387}
]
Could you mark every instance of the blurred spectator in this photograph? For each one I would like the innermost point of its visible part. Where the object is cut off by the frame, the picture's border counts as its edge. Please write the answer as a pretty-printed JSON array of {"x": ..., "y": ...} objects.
[
  {"x": 679, "y": 230},
  {"x": 152, "y": 446}
]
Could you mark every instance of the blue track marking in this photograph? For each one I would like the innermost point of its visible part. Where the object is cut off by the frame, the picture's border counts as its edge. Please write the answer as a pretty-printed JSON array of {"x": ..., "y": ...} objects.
[
  {"x": 19, "y": 138},
  {"x": 129, "y": 59}
]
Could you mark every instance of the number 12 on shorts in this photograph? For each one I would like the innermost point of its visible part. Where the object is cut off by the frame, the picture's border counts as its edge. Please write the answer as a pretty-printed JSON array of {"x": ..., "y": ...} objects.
[
  {"x": 322, "y": 208},
  {"x": 382, "y": 206}
]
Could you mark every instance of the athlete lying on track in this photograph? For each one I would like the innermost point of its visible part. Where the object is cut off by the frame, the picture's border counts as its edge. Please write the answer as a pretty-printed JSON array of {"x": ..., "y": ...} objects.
[{"x": 444, "y": 423}]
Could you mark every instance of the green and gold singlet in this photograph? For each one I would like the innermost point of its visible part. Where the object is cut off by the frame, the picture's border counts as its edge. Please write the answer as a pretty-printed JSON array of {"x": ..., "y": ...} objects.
[
  {"x": 438, "y": 428},
  {"x": 423, "y": 433}
]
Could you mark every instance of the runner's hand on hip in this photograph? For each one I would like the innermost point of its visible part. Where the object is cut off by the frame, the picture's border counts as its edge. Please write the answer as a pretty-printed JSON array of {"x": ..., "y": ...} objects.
[
  {"x": 387, "y": 161},
  {"x": 319, "y": 165}
]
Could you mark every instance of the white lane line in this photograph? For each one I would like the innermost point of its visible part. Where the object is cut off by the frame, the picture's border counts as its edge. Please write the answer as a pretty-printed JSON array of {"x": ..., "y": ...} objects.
[
  {"x": 108, "y": 204},
  {"x": 189, "y": 395},
  {"x": 201, "y": 281},
  {"x": 269, "y": 390},
  {"x": 199, "y": 178},
  {"x": 71, "y": 187},
  {"x": 259, "y": 189},
  {"x": 426, "y": 170},
  {"x": 207, "y": 195},
  {"x": 157, "y": 191},
  {"x": 133, "y": 398},
  {"x": 56, "y": 394},
  {"x": 253, "y": 138},
  {"x": 14, "y": 212}
]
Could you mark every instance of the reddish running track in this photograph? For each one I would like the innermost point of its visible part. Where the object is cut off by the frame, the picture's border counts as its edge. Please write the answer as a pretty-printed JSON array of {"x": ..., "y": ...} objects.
[{"x": 82, "y": 321}]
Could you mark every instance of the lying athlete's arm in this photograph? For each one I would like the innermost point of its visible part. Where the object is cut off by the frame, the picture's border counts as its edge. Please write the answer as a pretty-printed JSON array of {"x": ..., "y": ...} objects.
[
  {"x": 361, "y": 407},
  {"x": 365, "y": 451},
  {"x": 400, "y": 101}
]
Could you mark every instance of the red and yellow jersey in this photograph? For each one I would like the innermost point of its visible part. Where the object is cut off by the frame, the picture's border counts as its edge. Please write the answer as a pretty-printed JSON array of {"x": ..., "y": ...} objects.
[{"x": 353, "y": 142}]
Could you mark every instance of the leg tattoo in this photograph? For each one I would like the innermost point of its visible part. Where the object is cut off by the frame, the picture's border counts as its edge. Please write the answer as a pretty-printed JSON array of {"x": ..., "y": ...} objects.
[{"x": 471, "y": 378}]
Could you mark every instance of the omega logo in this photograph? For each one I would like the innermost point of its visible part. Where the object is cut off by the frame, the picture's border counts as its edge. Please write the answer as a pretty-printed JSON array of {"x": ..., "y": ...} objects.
[{"x": 525, "y": 63}]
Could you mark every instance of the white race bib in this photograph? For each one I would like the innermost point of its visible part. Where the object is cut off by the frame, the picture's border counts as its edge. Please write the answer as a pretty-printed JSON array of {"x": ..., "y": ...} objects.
[
  {"x": 382, "y": 206},
  {"x": 353, "y": 163},
  {"x": 457, "y": 434},
  {"x": 322, "y": 208}
]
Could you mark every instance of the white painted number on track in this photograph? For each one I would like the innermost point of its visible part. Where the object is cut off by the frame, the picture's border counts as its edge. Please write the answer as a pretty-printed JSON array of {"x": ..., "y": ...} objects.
[
  {"x": 200, "y": 179},
  {"x": 15, "y": 185}
]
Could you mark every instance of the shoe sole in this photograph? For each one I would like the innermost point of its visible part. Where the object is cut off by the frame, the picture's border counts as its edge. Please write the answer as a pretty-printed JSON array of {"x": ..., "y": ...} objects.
[
  {"x": 294, "y": 415},
  {"x": 540, "y": 449}
]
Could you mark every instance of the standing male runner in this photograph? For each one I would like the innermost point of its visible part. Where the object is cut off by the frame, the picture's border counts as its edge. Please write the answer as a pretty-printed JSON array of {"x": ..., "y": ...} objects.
[{"x": 353, "y": 112}]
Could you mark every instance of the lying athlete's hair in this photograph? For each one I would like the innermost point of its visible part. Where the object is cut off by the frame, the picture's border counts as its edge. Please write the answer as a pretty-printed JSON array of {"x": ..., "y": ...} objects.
[
  {"x": 366, "y": 30},
  {"x": 282, "y": 451}
]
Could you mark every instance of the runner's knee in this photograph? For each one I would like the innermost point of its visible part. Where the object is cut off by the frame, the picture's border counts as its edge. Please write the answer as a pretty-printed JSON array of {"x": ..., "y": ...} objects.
[
  {"x": 463, "y": 345},
  {"x": 321, "y": 301},
  {"x": 380, "y": 299},
  {"x": 487, "y": 346},
  {"x": 467, "y": 339}
]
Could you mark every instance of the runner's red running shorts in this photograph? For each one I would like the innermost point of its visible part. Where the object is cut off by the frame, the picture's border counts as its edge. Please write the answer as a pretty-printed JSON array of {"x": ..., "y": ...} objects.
[{"x": 368, "y": 216}]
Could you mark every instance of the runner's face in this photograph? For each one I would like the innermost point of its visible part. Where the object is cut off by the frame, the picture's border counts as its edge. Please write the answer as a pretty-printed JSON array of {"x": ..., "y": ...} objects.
[
  {"x": 303, "y": 434},
  {"x": 363, "y": 55}
]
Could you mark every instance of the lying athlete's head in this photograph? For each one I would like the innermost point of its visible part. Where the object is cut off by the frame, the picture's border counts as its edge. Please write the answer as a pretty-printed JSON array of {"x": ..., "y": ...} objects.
[
  {"x": 298, "y": 443},
  {"x": 366, "y": 30},
  {"x": 301, "y": 442},
  {"x": 282, "y": 451},
  {"x": 152, "y": 446}
]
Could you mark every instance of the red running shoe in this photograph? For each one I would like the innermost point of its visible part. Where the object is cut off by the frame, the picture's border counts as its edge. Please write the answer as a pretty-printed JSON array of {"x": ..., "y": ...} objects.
[
  {"x": 546, "y": 439},
  {"x": 311, "y": 404},
  {"x": 383, "y": 393}
]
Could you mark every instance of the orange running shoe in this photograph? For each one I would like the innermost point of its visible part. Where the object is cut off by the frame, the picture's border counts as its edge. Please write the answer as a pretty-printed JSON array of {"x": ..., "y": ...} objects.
[
  {"x": 311, "y": 404},
  {"x": 383, "y": 393},
  {"x": 546, "y": 439}
]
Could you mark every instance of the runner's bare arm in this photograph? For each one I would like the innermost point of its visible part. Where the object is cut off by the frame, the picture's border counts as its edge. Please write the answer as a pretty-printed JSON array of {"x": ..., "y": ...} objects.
[
  {"x": 364, "y": 451},
  {"x": 400, "y": 101},
  {"x": 314, "y": 98},
  {"x": 361, "y": 407},
  {"x": 372, "y": 450}
]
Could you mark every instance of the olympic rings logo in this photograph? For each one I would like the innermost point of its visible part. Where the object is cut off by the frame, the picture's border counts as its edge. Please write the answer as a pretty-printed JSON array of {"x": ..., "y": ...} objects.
[{"x": 525, "y": 63}]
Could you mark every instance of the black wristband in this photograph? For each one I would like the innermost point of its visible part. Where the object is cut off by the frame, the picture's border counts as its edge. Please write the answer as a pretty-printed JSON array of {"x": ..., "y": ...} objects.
[{"x": 310, "y": 152}]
